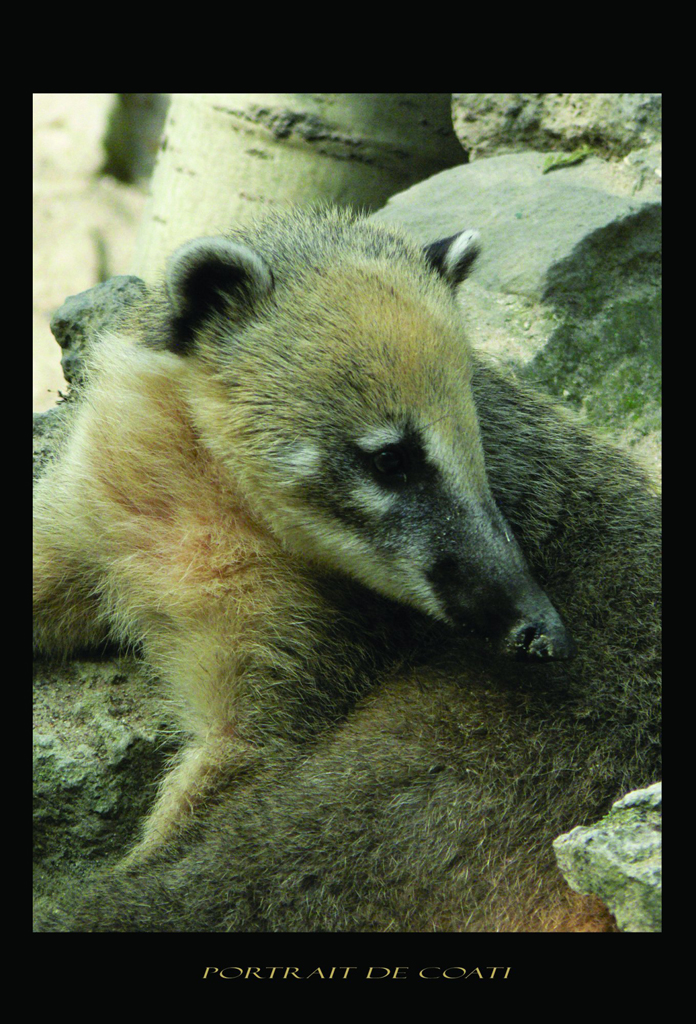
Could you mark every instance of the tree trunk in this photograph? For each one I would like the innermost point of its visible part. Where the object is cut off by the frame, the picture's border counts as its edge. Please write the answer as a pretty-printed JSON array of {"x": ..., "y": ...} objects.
[{"x": 224, "y": 158}]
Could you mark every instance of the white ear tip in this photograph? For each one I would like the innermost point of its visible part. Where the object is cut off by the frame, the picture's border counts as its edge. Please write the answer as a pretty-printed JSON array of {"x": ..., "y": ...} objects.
[
  {"x": 467, "y": 244},
  {"x": 461, "y": 255}
]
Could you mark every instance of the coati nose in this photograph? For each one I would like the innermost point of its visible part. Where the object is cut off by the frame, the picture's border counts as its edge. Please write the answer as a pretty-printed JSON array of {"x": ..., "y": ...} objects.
[
  {"x": 541, "y": 640},
  {"x": 489, "y": 587}
]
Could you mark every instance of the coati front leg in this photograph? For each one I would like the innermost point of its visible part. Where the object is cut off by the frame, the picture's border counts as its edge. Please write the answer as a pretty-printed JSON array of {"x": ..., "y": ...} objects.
[
  {"x": 254, "y": 671},
  {"x": 193, "y": 777},
  {"x": 202, "y": 683}
]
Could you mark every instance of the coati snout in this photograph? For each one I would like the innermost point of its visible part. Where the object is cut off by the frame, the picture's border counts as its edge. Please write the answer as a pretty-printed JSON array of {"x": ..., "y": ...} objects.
[{"x": 493, "y": 591}]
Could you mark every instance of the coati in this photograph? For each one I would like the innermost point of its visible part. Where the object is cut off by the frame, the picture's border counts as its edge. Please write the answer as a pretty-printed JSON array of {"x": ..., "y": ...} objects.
[{"x": 327, "y": 525}]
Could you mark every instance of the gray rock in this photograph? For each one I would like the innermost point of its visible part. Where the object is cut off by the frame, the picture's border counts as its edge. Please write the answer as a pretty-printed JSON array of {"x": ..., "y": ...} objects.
[
  {"x": 100, "y": 739},
  {"x": 84, "y": 316},
  {"x": 620, "y": 860},
  {"x": 488, "y": 124},
  {"x": 48, "y": 432}
]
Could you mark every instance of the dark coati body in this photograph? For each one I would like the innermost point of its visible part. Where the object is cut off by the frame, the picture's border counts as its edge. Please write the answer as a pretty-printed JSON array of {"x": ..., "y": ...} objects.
[{"x": 280, "y": 492}]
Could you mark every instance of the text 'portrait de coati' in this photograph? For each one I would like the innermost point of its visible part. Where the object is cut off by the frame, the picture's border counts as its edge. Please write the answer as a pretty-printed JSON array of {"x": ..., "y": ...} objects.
[{"x": 416, "y": 602}]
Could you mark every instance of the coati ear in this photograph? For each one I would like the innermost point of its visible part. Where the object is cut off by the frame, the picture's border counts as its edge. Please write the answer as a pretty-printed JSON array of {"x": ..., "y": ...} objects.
[
  {"x": 211, "y": 275},
  {"x": 453, "y": 257}
]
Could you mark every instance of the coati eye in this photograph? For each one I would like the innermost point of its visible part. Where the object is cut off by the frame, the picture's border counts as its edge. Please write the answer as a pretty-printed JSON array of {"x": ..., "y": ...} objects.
[{"x": 391, "y": 464}]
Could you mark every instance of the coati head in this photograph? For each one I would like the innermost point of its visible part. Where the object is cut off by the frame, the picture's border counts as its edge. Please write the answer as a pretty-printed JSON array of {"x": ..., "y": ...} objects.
[{"x": 329, "y": 374}]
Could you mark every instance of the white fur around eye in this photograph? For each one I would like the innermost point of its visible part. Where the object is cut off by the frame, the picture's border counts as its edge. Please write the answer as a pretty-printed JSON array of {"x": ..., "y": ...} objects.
[
  {"x": 378, "y": 438},
  {"x": 372, "y": 499}
]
